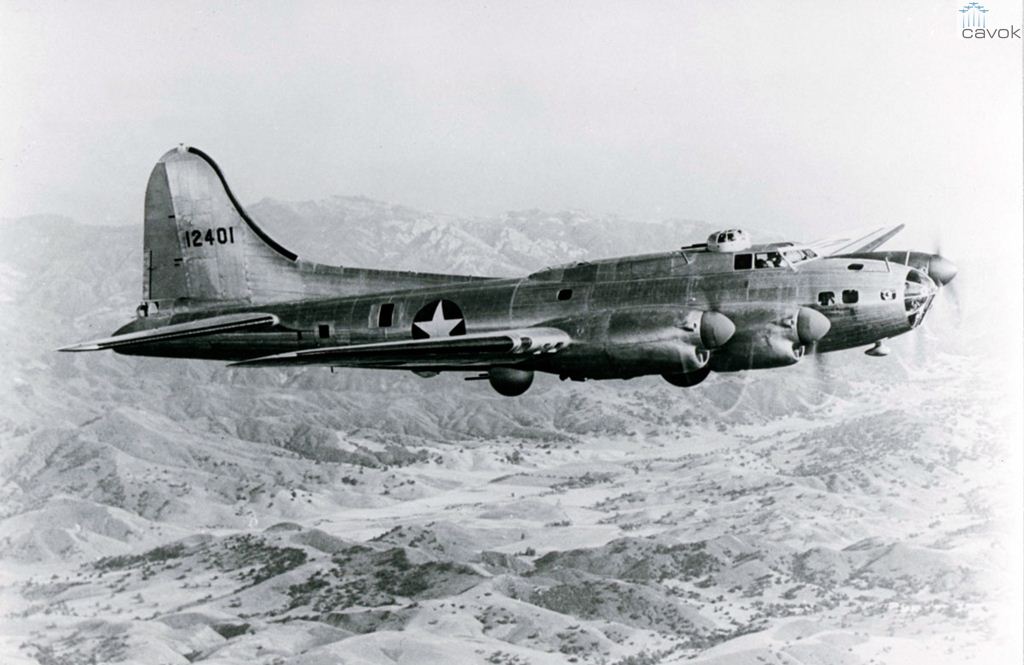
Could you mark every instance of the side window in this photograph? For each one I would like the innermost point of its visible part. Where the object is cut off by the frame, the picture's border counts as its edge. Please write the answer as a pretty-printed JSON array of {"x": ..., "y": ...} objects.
[
  {"x": 565, "y": 294},
  {"x": 850, "y": 296},
  {"x": 385, "y": 315},
  {"x": 743, "y": 262},
  {"x": 827, "y": 298},
  {"x": 888, "y": 294},
  {"x": 323, "y": 330}
]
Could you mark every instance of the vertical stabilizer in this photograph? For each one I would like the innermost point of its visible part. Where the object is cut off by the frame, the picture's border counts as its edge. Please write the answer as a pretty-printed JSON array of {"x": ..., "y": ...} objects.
[{"x": 199, "y": 244}]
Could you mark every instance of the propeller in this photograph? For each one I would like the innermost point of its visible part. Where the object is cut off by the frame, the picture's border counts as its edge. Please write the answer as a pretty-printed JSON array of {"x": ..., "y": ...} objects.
[
  {"x": 942, "y": 272},
  {"x": 824, "y": 379},
  {"x": 730, "y": 390}
]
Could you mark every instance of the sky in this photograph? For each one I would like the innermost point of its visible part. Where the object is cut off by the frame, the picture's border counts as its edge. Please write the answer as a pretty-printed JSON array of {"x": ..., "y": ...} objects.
[{"x": 804, "y": 117}]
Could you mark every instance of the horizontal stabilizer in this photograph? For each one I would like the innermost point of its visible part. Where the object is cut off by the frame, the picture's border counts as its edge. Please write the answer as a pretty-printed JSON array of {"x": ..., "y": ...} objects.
[
  {"x": 856, "y": 242},
  {"x": 208, "y": 326},
  {"x": 434, "y": 353}
]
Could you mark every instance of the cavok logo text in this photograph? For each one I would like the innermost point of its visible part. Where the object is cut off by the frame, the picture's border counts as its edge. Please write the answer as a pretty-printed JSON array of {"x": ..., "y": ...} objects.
[{"x": 973, "y": 24}]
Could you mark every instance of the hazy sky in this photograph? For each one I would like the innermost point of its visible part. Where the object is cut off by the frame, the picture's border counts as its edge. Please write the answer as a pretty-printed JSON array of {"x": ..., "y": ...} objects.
[{"x": 801, "y": 116}]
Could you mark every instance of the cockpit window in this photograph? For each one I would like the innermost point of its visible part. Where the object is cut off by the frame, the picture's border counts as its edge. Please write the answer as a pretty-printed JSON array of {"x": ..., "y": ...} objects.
[
  {"x": 767, "y": 260},
  {"x": 742, "y": 262},
  {"x": 827, "y": 298},
  {"x": 794, "y": 256}
]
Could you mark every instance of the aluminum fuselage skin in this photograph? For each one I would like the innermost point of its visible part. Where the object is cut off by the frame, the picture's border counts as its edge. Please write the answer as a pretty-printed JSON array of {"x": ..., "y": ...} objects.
[{"x": 605, "y": 306}]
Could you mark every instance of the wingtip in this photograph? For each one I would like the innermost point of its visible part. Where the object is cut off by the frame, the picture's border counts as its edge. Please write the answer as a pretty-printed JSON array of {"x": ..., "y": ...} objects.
[{"x": 77, "y": 348}]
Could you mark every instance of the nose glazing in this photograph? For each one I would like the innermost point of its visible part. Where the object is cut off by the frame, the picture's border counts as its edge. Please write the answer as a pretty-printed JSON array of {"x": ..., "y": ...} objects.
[{"x": 918, "y": 292}]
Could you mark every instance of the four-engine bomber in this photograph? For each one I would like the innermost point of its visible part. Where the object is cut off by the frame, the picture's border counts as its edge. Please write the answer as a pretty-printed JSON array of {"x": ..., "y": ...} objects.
[{"x": 216, "y": 286}]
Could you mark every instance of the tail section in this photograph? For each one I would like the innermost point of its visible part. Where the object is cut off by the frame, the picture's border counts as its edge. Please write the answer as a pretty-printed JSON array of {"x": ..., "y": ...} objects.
[{"x": 200, "y": 247}]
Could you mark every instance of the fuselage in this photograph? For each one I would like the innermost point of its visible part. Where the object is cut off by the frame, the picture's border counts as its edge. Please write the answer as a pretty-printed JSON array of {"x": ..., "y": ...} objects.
[{"x": 604, "y": 305}]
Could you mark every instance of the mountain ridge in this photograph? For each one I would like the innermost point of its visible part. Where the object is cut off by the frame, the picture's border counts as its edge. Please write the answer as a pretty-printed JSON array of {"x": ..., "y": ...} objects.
[{"x": 182, "y": 511}]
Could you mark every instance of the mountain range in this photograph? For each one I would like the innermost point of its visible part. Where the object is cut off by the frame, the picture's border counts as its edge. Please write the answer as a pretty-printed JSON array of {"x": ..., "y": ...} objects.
[{"x": 844, "y": 510}]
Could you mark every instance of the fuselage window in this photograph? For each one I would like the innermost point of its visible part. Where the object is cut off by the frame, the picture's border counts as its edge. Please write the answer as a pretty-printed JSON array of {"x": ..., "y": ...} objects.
[
  {"x": 889, "y": 294},
  {"x": 743, "y": 262},
  {"x": 850, "y": 296},
  {"x": 767, "y": 260},
  {"x": 565, "y": 294},
  {"x": 827, "y": 298},
  {"x": 324, "y": 330},
  {"x": 385, "y": 315}
]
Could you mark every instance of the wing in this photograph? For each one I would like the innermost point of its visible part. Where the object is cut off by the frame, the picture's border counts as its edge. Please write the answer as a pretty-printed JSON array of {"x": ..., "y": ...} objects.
[
  {"x": 207, "y": 326},
  {"x": 855, "y": 242},
  {"x": 476, "y": 350}
]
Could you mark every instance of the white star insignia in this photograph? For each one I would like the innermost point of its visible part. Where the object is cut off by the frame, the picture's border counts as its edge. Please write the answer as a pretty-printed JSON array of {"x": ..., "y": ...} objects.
[{"x": 438, "y": 326}]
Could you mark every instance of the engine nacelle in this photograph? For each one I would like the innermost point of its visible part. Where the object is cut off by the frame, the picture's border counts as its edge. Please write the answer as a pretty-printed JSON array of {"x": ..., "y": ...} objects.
[
  {"x": 645, "y": 342},
  {"x": 509, "y": 381},
  {"x": 774, "y": 344},
  {"x": 661, "y": 357},
  {"x": 624, "y": 343},
  {"x": 696, "y": 328}
]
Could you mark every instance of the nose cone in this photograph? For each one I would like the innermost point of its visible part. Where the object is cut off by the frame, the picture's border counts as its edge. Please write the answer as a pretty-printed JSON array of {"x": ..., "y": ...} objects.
[
  {"x": 715, "y": 329},
  {"x": 941, "y": 270},
  {"x": 811, "y": 325}
]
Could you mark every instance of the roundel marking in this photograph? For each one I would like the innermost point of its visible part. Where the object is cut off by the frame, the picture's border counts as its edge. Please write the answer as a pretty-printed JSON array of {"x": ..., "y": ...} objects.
[{"x": 438, "y": 318}]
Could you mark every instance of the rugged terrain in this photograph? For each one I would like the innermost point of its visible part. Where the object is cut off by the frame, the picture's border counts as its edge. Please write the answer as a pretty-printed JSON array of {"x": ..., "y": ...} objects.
[{"x": 846, "y": 510}]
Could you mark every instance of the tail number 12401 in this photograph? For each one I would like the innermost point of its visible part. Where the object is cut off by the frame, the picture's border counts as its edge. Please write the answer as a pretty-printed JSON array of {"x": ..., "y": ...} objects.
[{"x": 222, "y": 235}]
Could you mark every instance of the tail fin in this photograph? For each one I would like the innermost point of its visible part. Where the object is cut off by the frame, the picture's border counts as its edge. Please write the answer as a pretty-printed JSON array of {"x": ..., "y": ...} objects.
[
  {"x": 198, "y": 243},
  {"x": 200, "y": 247}
]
